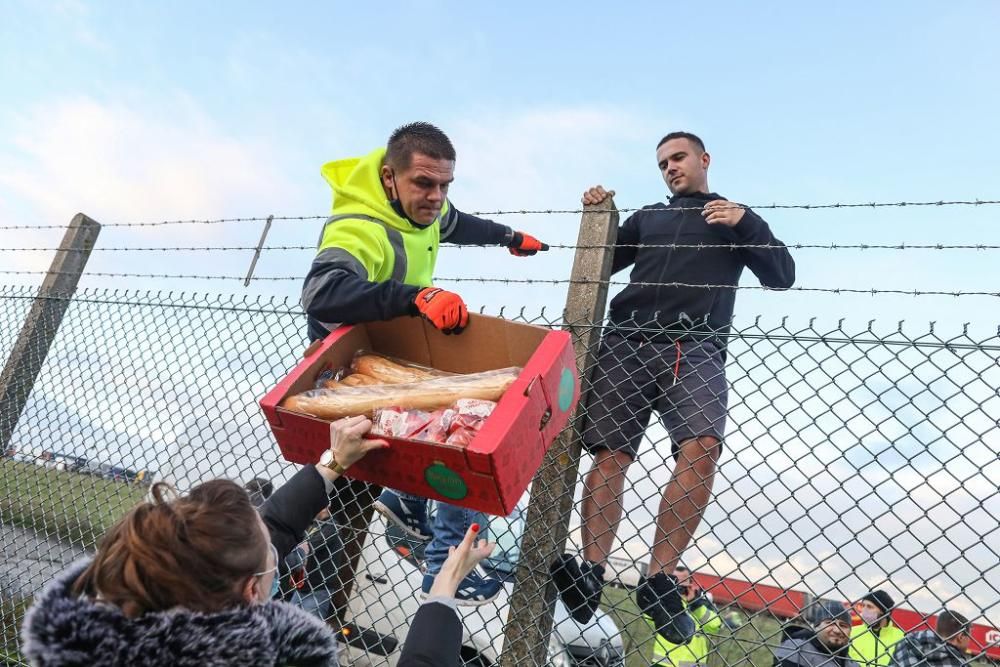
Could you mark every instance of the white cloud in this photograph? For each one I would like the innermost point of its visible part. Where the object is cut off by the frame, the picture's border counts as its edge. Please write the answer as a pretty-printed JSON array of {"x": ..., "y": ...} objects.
[
  {"x": 120, "y": 161},
  {"x": 540, "y": 158}
]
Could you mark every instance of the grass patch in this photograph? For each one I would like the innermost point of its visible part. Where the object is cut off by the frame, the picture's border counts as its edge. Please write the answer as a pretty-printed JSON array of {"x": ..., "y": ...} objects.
[
  {"x": 751, "y": 645},
  {"x": 68, "y": 506},
  {"x": 11, "y": 615}
]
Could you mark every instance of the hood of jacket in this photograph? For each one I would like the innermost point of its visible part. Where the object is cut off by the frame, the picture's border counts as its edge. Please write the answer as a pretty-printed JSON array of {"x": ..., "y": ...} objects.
[
  {"x": 357, "y": 189},
  {"x": 65, "y": 629}
]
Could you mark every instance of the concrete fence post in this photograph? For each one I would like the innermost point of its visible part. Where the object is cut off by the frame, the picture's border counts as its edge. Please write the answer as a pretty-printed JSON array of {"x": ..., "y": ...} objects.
[
  {"x": 40, "y": 326},
  {"x": 529, "y": 623}
]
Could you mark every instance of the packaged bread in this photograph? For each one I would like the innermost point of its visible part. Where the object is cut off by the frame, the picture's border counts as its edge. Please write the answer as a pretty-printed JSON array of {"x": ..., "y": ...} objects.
[
  {"x": 392, "y": 371},
  {"x": 357, "y": 380},
  {"x": 430, "y": 395}
]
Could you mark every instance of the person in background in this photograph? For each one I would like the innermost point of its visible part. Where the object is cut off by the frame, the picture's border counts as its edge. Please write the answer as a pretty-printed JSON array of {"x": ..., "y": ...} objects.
[
  {"x": 822, "y": 645},
  {"x": 314, "y": 567},
  {"x": 259, "y": 489},
  {"x": 947, "y": 645},
  {"x": 873, "y": 642},
  {"x": 707, "y": 620},
  {"x": 375, "y": 261}
]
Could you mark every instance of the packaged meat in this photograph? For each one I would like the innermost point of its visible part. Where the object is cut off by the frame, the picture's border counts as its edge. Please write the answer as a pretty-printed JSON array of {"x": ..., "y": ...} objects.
[{"x": 399, "y": 423}]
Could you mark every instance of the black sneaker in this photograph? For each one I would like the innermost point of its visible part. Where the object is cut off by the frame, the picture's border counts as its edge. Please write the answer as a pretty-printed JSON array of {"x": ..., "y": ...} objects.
[
  {"x": 579, "y": 586},
  {"x": 659, "y": 599}
]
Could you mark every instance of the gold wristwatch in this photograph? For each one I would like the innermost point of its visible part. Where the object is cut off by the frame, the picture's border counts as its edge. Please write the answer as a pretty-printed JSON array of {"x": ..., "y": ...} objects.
[{"x": 329, "y": 461}]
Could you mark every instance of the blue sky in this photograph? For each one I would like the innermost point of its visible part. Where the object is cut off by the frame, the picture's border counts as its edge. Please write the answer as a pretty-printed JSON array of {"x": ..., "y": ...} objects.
[
  {"x": 152, "y": 111},
  {"x": 143, "y": 112}
]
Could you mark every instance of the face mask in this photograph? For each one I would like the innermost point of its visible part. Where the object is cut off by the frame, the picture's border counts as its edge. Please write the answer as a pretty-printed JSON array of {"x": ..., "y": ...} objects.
[
  {"x": 275, "y": 587},
  {"x": 275, "y": 581},
  {"x": 869, "y": 617}
]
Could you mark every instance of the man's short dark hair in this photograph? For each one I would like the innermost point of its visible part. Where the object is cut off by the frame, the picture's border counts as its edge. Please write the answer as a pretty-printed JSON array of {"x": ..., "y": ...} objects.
[
  {"x": 418, "y": 137},
  {"x": 693, "y": 138},
  {"x": 951, "y": 624}
]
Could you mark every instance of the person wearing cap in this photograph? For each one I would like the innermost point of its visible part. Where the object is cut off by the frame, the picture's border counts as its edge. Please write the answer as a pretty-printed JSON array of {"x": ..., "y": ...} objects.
[
  {"x": 707, "y": 622},
  {"x": 873, "y": 642},
  {"x": 947, "y": 645},
  {"x": 824, "y": 644}
]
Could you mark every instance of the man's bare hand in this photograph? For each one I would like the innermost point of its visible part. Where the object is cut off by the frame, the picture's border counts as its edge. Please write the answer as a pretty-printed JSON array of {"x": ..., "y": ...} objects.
[
  {"x": 596, "y": 195},
  {"x": 722, "y": 212}
]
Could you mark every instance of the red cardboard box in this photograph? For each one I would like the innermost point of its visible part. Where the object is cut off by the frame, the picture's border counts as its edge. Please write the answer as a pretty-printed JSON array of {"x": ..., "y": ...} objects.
[{"x": 492, "y": 472}]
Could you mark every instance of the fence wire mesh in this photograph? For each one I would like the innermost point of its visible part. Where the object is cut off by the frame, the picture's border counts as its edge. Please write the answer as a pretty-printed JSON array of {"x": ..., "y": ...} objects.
[{"x": 852, "y": 460}]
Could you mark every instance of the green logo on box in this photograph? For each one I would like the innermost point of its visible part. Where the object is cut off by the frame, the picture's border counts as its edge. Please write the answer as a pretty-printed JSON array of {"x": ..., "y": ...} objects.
[
  {"x": 445, "y": 481},
  {"x": 567, "y": 384}
]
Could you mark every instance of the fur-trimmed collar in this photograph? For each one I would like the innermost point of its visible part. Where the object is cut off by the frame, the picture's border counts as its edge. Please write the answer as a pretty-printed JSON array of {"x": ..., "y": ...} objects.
[{"x": 62, "y": 629}]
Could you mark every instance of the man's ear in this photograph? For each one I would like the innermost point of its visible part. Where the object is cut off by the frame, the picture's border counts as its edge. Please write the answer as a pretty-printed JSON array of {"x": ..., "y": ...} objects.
[
  {"x": 388, "y": 182},
  {"x": 706, "y": 160},
  {"x": 251, "y": 590}
]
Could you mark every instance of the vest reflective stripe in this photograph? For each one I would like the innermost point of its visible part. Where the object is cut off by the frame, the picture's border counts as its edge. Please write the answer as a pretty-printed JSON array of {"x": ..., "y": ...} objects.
[{"x": 400, "y": 261}]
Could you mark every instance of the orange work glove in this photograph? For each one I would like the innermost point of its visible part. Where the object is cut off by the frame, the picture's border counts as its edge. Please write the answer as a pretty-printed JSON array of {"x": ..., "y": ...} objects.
[
  {"x": 523, "y": 245},
  {"x": 445, "y": 310}
]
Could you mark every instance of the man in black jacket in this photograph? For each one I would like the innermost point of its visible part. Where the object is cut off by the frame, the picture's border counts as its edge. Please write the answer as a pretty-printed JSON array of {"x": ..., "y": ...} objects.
[
  {"x": 665, "y": 349},
  {"x": 824, "y": 646}
]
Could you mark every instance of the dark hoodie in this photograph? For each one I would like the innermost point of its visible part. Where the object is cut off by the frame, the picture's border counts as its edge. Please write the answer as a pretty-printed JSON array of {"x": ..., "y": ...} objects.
[
  {"x": 802, "y": 648},
  {"x": 695, "y": 309}
]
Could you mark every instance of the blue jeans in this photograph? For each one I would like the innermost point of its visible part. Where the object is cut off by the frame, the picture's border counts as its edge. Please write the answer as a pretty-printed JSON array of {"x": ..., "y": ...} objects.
[
  {"x": 448, "y": 527},
  {"x": 317, "y": 602}
]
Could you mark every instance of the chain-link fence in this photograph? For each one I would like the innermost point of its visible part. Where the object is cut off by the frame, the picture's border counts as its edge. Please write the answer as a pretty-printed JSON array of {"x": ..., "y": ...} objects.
[{"x": 852, "y": 460}]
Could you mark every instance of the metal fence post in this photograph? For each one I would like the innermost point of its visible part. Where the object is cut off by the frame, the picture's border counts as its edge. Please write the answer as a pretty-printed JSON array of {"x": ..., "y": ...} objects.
[
  {"x": 530, "y": 621},
  {"x": 42, "y": 323}
]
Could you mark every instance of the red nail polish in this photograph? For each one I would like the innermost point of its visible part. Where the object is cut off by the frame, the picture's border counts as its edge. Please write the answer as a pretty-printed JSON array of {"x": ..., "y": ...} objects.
[{"x": 475, "y": 527}]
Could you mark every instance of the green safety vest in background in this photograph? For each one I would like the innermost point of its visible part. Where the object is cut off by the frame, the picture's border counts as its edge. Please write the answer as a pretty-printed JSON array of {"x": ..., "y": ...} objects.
[
  {"x": 695, "y": 652},
  {"x": 869, "y": 650},
  {"x": 365, "y": 226}
]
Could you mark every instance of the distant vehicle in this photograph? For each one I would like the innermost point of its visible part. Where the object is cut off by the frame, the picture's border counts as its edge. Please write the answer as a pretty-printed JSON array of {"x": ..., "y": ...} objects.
[{"x": 69, "y": 462}]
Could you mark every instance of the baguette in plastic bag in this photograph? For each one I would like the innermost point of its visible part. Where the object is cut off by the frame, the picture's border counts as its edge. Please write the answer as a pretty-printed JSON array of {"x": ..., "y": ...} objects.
[{"x": 427, "y": 395}]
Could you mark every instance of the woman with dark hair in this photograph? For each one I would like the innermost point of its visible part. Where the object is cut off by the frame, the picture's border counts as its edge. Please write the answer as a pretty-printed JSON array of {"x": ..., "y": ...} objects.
[{"x": 189, "y": 580}]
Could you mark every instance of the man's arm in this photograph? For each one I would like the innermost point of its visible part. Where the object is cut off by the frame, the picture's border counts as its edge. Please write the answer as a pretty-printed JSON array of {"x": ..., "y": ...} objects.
[
  {"x": 336, "y": 293},
  {"x": 773, "y": 266},
  {"x": 706, "y": 615},
  {"x": 628, "y": 235},
  {"x": 338, "y": 286},
  {"x": 467, "y": 229}
]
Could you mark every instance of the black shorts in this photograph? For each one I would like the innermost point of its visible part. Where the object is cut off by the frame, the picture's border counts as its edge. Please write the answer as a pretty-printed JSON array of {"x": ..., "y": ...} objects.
[{"x": 685, "y": 382}]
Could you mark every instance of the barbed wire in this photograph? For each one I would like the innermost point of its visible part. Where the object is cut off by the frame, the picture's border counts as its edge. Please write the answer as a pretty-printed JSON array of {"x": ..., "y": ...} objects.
[
  {"x": 538, "y": 281},
  {"x": 549, "y": 211},
  {"x": 560, "y": 246}
]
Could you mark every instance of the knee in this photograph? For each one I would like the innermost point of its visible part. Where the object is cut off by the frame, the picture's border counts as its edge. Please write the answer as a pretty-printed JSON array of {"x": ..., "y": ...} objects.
[
  {"x": 701, "y": 453},
  {"x": 614, "y": 463},
  {"x": 609, "y": 465}
]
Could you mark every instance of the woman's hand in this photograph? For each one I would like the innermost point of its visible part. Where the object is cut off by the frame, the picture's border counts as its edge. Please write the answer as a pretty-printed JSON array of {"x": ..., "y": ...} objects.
[
  {"x": 462, "y": 560},
  {"x": 346, "y": 442}
]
